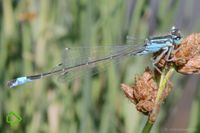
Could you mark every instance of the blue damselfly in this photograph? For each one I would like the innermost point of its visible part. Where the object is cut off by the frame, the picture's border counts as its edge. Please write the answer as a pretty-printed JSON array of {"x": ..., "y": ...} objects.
[{"x": 83, "y": 59}]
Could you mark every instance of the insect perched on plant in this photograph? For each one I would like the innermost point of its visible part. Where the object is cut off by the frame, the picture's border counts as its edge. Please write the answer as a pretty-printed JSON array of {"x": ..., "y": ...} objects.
[{"x": 81, "y": 58}]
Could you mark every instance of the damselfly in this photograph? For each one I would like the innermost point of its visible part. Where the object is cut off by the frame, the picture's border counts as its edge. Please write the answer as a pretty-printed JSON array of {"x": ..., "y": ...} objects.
[{"x": 86, "y": 59}]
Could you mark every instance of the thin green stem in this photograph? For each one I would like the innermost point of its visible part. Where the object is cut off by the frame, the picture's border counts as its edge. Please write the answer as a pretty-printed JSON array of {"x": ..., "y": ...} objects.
[
  {"x": 164, "y": 78},
  {"x": 147, "y": 127},
  {"x": 163, "y": 82}
]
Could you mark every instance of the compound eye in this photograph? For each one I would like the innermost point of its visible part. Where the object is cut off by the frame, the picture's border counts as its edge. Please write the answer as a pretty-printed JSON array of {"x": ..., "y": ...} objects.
[{"x": 178, "y": 38}]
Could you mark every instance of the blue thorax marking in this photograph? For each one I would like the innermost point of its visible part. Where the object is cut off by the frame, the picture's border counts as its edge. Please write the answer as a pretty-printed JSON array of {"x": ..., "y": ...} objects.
[{"x": 155, "y": 44}]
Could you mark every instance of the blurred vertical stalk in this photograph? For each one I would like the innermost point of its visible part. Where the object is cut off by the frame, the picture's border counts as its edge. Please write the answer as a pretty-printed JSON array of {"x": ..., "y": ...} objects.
[
  {"x": 8, "y": 31},
  {"x": 26, "y": 41},
  {"x": 8, "y": 19},
  {"x": 40, "y": 55},
  {"x": 110, "y": 34},
  {"x": 136, "y": 16},
  {"x": 42, "y": 39},
  {"x": 7, "y": 38},
  {"x": 85, "y": 35}
]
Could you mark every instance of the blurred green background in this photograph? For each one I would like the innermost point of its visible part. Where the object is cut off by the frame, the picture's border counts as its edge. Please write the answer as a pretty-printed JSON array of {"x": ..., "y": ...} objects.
[{"x": 33, "y": 35}]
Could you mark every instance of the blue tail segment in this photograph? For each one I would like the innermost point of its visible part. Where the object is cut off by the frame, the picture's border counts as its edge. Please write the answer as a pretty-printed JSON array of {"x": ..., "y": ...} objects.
[
  {"x": 26, "y": 79},
  {"x": 18, "y": 81}
]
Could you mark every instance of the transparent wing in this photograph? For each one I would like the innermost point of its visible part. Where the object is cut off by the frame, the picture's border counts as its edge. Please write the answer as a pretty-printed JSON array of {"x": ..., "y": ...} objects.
[
  {"x": 133, "y": 40},
  {"x": 78, "y": 55},
  {"x": 78, "y": 60},
  {"x": 82, "y": 55}
]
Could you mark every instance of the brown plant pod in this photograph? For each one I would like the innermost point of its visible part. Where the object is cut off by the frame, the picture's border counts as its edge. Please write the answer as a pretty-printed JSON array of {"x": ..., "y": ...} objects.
[
  {"x": 186, "y": 58},
  {"x": 191, "y": 67},
  {"x": 143, "y": 93},
  {"x": 189, "y": 47}
]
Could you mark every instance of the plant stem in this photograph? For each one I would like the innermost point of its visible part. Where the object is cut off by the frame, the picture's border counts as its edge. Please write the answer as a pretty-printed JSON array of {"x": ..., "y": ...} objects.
[
  {"x": 164, "y": 78},
  {"x": 147, "y": 127}
]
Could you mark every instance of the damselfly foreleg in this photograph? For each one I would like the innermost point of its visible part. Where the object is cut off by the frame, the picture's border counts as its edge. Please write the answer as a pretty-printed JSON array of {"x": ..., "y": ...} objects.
[{"x": 158, "y": 58}]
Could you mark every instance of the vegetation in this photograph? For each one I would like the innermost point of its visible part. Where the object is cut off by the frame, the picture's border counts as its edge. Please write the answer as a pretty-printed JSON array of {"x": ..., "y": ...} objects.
[{"x": 33, "y": 35}]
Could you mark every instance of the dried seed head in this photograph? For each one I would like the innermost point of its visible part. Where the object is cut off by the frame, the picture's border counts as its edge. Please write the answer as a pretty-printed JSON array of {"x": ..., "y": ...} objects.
[
  {"x": 190, "y": 47},
  {"x": 186, "y": 57},
  {"x": 143, "y": 92},
  {"x": 128, "y": 91},
  {"x": 145, "y": 86},
  {"x": 191, "y": 67}
]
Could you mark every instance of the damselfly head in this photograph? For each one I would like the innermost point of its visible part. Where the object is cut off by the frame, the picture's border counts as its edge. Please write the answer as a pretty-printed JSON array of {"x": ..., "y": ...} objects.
[{"x": 176, "y": 35}]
